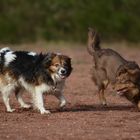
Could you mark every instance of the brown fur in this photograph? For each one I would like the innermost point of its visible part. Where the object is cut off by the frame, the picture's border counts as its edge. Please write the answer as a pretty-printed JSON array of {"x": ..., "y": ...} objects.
[
  {"x": 106, "y": 63},
  {"x": 128, "y": 82}
]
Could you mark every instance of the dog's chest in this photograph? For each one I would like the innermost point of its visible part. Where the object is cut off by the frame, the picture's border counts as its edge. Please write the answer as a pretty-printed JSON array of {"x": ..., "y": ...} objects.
[{"x": 58, "y": 88}]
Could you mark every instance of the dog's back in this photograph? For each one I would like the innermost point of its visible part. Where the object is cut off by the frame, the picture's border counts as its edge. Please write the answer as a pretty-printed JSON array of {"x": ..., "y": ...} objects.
[
  {"x": 109, "y": 61},
  {"x": 104, "y": 59}
]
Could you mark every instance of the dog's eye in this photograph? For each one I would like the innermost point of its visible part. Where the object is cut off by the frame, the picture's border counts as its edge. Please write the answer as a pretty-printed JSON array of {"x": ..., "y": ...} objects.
[{"x": 57, "y": 65}]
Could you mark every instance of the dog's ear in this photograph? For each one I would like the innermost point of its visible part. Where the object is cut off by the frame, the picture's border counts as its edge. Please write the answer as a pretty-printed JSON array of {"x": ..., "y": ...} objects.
[
  {"x": 48, "y": 59},
  {"x": 68, "y": 65},
  {"x": 132, "y": 68},
  {"x": 121, "y": 70},
  {"x": 133, "y": 71}
]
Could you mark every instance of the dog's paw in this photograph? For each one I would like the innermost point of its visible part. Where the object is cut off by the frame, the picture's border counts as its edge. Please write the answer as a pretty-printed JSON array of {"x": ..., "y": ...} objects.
[
  {"x": 26, "y": 106},
  {"x": 10, "y": 110},
  {"x": 104, "y": 104},
  {"x": 45, "y": 111},
  {"x": 62, "y": 104}
]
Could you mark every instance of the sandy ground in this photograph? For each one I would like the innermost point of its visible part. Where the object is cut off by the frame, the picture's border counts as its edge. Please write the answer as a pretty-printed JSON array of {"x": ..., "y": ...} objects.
[{"x": 83, "y": 118}]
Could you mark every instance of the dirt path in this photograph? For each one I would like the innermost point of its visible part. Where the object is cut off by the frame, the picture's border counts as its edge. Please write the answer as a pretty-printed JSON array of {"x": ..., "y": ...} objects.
[{"x": 83, "y": 118}]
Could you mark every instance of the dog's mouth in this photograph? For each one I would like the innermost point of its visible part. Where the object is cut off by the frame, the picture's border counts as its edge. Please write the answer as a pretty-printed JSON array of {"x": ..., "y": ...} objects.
[
  {"x": 62, "y": 76},
  {"x": 124, "y": 88},
  {"x": 62, "y": 73},
  {"x": 122, "y": 91}
]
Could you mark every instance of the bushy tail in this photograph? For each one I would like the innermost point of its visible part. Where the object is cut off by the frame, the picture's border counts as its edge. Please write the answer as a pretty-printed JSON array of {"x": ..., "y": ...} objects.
[
  {"x": 93, "y": 41},
  {"x": 3, "y": 51}
]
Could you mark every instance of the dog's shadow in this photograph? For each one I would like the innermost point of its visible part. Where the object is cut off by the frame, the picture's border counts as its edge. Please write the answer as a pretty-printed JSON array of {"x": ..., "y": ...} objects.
[{"x": 97, "y": 107}]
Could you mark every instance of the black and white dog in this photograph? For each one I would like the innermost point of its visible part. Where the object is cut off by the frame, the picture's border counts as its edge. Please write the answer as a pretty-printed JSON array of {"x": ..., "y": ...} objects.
[{"x": 35, "y": 73}]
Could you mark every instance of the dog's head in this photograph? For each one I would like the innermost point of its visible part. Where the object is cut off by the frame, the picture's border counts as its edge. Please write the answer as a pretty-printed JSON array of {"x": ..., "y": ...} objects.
[
  {"x": 128, "y": 80},
  {"x": 59, "y": 65}
]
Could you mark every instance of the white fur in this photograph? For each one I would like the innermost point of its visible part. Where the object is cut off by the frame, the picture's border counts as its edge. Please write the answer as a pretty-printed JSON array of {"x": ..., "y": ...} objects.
[
  {"x": 60, "y": 71},
  {"x": 61, "y": 98},
  {"x": 38, "y": 97},
  {"x": 5, "y": 49},
  {"x": 9, "y": 57},
  {"x": 37, "y": 94},
  {"x": 62, "y": 101},
  {"x": 26, "y": 86},
  {"x": 57, "y": 78},
  {"x": 32, "y": 53},
  {"x": 7, "y": 87}
]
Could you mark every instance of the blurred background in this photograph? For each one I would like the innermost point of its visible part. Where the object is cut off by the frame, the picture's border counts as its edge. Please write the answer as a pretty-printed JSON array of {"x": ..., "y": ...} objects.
[
  {"x": 61, "y": 26},
  {"x": 68, "y": 20}
]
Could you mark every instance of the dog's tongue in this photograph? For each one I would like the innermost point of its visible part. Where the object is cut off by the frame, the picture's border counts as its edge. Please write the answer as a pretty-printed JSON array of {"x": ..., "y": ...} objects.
[
  {"x": 62, "y": 77},
  {"x": 120, "y": 93}
]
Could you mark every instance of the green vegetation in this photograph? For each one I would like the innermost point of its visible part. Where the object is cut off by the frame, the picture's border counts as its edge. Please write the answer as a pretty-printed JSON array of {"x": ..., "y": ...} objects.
[{"x": 28, "y": 20}]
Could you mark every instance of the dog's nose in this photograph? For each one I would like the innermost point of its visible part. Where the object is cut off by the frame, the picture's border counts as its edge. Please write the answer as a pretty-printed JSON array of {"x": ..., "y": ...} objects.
[{"x": 63, "y": 71}]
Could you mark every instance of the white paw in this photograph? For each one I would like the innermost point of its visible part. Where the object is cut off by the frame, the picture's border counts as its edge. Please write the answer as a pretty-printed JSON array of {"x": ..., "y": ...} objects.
[
  {"x": 10, "y": 110},
  {"x": 45, "y": 111},
  {"x": 26, "y": 106},
  {"x": 62, "y": 104},
  {"x": 104, "y": 103}
]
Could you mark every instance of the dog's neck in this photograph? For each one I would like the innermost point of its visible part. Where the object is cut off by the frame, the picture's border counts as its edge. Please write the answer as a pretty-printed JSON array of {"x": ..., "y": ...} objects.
[{"x": 57, "y": 79}]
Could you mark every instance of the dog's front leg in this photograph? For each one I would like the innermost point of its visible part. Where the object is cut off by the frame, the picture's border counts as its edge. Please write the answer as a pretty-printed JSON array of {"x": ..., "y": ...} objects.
[
  {"x": 61, "y": 98},
  {"x": 102, "y": 97},
  {"x": 39, "y": 102},
  {"x": 138, "y": 105}
]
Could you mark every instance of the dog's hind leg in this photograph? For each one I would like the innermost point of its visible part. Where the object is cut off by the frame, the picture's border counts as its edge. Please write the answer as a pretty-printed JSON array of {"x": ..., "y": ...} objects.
[
  {"x": 18, "y": 95},
  {"x": 5, "y": 96}
]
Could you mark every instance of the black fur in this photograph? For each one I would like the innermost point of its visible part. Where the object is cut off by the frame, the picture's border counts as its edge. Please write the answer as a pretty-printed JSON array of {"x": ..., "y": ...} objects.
[{"x": 31, "y": 67}]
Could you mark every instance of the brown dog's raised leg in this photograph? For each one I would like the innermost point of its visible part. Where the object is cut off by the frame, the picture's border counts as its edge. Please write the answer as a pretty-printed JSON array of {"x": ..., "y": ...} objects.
[
  {"x": 102, "y": 97},
  {"x": 138, "y": 105}
]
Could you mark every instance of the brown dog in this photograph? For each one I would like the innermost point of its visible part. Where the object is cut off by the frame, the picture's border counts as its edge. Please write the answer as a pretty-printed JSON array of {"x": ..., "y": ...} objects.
[
  {"x": 110, "y": 67},
  {"x": 128, "y": 82}
]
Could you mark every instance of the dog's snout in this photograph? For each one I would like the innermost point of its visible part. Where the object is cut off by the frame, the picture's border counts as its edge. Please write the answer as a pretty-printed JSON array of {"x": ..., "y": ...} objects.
[{"x": 63, "y": 71}]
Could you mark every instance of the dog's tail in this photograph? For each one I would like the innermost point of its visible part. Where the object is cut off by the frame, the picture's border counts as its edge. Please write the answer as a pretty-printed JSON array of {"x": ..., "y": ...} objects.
[
  {"x": 93, "y": 41},
  {"x": 3, "y": 51}
]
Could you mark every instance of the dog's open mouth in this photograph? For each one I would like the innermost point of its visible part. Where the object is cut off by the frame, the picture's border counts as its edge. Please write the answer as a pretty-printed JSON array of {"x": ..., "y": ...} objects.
[
  {"x": 122, "y": 91},
  {"x": 124, "y": 88},
  {"x": 62, "y": 76},
  {"x": 62, "y": 73}
]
